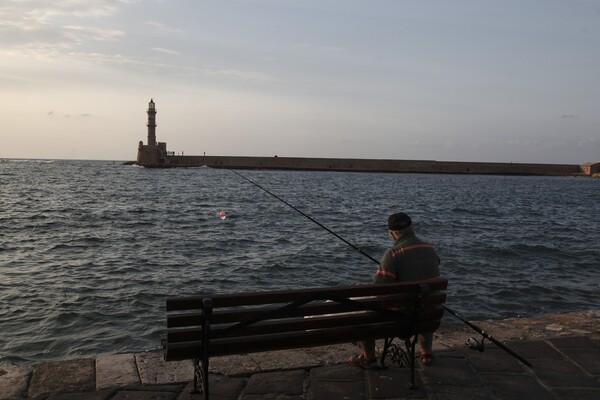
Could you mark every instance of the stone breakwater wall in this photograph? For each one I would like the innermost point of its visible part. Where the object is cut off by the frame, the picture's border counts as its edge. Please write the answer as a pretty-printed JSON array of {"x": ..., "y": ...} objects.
[{"x": 366, "y": 165}]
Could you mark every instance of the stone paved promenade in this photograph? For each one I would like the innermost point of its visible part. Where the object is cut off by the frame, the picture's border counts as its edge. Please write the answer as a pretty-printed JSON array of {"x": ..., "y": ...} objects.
[{"x": 564, "y": 350}]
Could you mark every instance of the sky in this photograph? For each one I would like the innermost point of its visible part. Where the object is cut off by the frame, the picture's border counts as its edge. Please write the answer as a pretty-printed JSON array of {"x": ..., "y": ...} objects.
[{"x": 476, "y": 80}]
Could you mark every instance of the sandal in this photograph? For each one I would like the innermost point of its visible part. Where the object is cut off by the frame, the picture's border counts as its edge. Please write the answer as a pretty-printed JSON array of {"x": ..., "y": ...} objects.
[
  {"x": 359, "y": 360},
  {"x": 427, "y": 359}
]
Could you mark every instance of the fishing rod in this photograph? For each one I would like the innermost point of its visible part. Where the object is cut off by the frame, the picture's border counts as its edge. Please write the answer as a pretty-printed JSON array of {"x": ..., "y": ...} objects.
[
  {"x": 307, "y": 216},
  {"x": 476, "y": 345},
  {"x": 472, "y": 343}
]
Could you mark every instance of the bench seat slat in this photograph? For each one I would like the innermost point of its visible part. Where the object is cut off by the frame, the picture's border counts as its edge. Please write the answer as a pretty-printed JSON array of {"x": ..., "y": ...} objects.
[
  {"x": 248, "y": 344},
  {"x": 283, "y": 325}
]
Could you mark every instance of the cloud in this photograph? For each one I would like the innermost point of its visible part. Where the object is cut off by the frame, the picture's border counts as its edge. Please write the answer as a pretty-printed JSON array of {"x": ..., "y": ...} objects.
[
  {"x": 166, "y": 51},
  {"x": 81, "y": 34},
  {"x": 44, "y": 11},
  {"x": 84, "y": 115},
  {"x": 162, "y": 27},
  {"x": 169, "y": 68},
  {"x": 59, "y": 25},
  {"x": 73, "y": 32}
]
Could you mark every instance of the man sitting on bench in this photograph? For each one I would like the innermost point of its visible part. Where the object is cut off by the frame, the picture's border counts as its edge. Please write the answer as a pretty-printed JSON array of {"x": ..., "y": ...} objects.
[{"x": 410, "y": 259}]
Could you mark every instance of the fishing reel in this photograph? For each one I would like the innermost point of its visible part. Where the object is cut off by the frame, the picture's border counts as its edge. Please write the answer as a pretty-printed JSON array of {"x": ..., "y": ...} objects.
[{"x": 475, "y": 344}]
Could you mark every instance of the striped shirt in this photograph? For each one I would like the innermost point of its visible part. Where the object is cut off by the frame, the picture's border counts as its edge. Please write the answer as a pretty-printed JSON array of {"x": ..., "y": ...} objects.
[{"x": 409, "y": 259}]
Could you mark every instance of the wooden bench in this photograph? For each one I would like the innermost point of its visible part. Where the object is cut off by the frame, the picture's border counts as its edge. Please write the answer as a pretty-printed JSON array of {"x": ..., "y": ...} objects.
[{"x": 200, "y": 327}]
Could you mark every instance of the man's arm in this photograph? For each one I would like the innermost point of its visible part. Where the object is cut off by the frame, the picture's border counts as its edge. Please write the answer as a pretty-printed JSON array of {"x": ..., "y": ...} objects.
[{"x": 386, "y": 272}]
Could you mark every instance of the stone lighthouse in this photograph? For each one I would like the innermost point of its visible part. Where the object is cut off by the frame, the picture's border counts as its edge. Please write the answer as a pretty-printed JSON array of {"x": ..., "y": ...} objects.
[
  {"x": 151, "y": 123},
  {"x": 153, "y": 154}
]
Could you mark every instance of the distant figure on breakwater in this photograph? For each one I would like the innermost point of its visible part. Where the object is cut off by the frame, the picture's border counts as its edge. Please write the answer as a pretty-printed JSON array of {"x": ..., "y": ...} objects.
[{"x": 409, "y": 259}]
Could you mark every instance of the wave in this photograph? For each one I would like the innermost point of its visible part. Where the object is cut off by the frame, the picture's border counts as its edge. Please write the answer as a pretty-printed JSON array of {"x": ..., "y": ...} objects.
[{"x": 26, "y": 160}]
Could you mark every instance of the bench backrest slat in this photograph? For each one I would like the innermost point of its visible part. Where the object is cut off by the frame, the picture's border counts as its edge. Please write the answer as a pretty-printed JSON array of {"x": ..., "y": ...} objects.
[
  {"x": 191, "y": 318},
  {"x": 284, "y": 296}
]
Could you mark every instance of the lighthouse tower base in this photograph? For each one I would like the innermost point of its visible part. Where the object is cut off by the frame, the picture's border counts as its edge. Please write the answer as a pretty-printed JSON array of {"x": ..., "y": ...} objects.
[{"x": 153, "y": 155}]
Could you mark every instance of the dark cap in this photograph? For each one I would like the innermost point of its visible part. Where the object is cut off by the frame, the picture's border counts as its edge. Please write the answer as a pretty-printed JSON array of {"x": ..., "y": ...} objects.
[{"x": 398, "y": 221}]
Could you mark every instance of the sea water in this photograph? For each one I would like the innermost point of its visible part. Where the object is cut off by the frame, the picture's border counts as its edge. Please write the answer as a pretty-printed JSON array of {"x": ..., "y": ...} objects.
[{"x": 90, "y": 249}]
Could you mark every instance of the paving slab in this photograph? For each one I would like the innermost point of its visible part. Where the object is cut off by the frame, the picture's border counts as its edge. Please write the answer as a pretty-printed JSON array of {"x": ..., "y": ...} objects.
[
  {"x": 450, "y": 372},
  {"x": 284, "y": 359},
  {"x": 116, "y": 370},
  {"x": 454, "y": 353},
  {"x": 220, "y": 389},
  {"x": 588, "y": 359},
  {"x": 494, "y": 360},
  {"x": 284, "y": 382},
  {"x": 579, "y": 393},
  {"x": 100, "y": 395},
  {"x": 144, "y": 395},
  {"x": 512, "y": 386},
  {"x": 13, "y": 381},
  {"x": 342, "y": 381},
  {"x": 233, "y": 365},
  {"x": 330, "y": 390},
  {"x": 337, "y": 373},
  {"x": 270, "y": 396},
  {"x": 561, "y": 373},
  {"x": 574, "y": 342},
  {"x": 63, "y": 376},
  {"x": 535, "y": 350},
  {"x": 393, "y": 383},
  {"x": 334, "y": 354},
  {"x": 437, "y": 392},
  {"x": 153, "y": 369},
  {"x": 154, "y": 388}
]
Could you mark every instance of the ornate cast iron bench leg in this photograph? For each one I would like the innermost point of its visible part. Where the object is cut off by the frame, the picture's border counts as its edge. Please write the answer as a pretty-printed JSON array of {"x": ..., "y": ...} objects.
[
  {"x": 197, "y": 377},
  {"x": 400, "y": 356},
  {"x": 396, "y": 353},
  {"x": 200, "y": 377},
  {"x": 201, "y": 365},
  {"x": 410, "y": 346}
]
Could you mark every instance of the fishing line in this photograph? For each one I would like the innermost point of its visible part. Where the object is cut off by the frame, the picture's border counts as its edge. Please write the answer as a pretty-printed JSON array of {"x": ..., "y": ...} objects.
[
  {"x": 307, "y": 216},
  {"x": 472, "y": 342}
]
